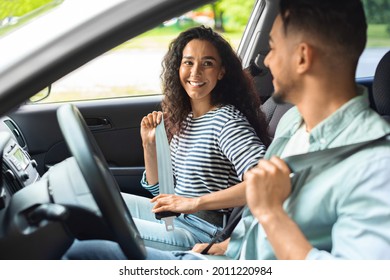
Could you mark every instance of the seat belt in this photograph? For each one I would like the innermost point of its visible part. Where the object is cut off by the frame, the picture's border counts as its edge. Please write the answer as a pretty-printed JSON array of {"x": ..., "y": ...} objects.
[
  {"x": 164, "y": 163},
  {"x": 165, "y": 174},
  {"x": 301, "y": 162},
  {"x": 298, "y": 163}
]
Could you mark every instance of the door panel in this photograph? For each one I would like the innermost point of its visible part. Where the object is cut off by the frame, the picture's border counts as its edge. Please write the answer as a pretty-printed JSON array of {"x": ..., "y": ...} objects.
[{"x": 115, "y": 124}]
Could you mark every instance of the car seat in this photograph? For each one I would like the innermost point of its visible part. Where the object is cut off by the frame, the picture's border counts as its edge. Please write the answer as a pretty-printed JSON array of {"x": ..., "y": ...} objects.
[
  {"x": 262, "y": 78},
  {"x": 273, "y": 113},
  {"x": 381, "y": 87}
]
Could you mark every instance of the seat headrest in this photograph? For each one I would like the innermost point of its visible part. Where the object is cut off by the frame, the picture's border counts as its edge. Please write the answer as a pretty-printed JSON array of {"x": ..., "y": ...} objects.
[{"x": 381, "y": 86}]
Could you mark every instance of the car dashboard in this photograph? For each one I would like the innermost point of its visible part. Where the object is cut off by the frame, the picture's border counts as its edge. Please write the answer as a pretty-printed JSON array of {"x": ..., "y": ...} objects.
[
  {"x": 18, "y": 168},
  {"x": 39, "y": 215}
]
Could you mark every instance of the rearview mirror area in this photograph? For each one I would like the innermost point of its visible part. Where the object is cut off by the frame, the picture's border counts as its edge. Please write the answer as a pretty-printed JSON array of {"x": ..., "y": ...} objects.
[{"x": 40, "y": 95}]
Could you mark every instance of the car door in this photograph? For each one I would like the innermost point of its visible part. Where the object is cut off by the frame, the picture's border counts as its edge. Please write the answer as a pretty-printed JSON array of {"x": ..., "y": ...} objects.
[{"x": 115, "y": 124}]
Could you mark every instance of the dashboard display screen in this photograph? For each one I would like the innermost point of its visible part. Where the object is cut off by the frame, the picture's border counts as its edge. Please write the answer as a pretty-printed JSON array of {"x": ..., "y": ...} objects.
[{"x": 21, "y": 158}]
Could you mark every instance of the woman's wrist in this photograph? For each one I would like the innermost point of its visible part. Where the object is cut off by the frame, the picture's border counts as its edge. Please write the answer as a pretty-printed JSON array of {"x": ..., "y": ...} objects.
[
  {"x": 148, "y": 145},
  {"x": 197, "y": 204}
]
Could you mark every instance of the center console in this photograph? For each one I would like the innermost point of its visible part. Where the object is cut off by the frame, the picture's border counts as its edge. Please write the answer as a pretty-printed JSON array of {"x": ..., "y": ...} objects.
[
  {"x": 18, "y": 168},
  {"x": 31, "y": 225}
]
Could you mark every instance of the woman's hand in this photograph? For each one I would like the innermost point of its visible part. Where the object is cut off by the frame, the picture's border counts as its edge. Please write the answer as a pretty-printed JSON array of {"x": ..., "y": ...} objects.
[
  {"x": 148, "y": 135},
  {"x": 148, "y": 128},
  {"x": 175, "y": 203}
]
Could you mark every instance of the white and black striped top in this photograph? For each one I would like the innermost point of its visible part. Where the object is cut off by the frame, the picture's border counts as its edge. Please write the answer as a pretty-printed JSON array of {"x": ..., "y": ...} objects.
[{"x": 213, "y": 152}]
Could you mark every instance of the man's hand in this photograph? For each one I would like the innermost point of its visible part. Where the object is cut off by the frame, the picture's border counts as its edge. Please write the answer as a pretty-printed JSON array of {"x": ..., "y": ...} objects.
[
  {"x": 174, "y": 203},
  {"x": 267, "y": 187},
  {"x": 218, "y": 249}
]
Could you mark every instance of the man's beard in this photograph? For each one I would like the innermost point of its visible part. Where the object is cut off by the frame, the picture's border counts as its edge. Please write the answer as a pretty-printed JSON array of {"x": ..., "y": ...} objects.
[{"x": 278, "y": 97}]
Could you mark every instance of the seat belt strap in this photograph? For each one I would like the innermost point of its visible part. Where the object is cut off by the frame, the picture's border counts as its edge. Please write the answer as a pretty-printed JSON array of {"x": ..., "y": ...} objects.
[
  {"x": 165, "y": 174},
  {"x": 301, "y": 162},
  {"x": 298, "y": 163},
  {"x": 164, "y": 163}
]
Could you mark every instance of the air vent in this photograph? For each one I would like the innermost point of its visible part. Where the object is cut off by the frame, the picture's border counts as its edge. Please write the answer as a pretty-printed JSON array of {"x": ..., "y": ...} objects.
[{"x": 16, "y": 132}]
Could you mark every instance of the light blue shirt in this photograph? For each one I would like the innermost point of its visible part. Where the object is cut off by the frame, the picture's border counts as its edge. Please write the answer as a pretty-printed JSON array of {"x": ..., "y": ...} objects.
[{"x": 343, "y": 209}]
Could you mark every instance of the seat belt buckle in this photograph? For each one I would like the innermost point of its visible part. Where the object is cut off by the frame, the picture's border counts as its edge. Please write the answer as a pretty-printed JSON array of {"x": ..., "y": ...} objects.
[{"x": 167, "y": 217}]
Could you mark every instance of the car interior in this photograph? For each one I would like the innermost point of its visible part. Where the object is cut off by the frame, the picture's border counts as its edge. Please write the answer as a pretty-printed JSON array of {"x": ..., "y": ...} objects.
[{"x": 65, "y": 165}]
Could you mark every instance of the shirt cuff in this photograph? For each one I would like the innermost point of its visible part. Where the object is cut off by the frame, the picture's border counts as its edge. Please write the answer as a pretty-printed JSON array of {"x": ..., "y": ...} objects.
[
  {"x": 153, "y": 189},
  {"x": 316, "y": 254}
]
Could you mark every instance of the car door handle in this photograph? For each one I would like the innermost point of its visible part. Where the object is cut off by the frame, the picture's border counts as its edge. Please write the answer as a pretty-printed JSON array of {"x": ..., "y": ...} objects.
[{"x": 95, "y": 124}]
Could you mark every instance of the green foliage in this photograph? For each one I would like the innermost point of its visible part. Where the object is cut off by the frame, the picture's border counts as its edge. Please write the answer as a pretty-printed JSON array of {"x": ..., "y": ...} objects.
[
  {"x": 234, "y": 13},
  {"x": 378, "y": 35},
  {"x": 18, "y": 8},
  {"x": 14, "y": 13},
  {"x": 378, "y": 12}
]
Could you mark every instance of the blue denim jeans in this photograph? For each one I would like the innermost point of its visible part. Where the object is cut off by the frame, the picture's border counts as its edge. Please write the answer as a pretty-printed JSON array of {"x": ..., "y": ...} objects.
[
  {"x": 188, "y": 231},
  {"x": 109, "y": 250}
]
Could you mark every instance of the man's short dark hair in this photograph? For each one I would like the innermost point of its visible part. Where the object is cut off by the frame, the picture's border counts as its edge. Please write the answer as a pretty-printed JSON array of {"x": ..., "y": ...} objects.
[{"x": 339, "y": 24}]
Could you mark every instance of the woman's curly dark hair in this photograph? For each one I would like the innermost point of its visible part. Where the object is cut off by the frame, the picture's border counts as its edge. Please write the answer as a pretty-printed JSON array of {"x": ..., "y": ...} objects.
[{"x": 236, "y": 87}]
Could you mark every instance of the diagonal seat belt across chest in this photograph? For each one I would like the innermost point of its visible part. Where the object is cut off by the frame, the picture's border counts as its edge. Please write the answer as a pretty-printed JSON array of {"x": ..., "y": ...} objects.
[
  {"x": 302, "y": 162},
  {"x": 298, "y": 163}
]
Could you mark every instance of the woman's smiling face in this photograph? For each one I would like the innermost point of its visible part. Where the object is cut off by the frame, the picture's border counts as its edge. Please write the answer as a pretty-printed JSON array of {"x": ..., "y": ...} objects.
[{"x": 200, "y": 69}]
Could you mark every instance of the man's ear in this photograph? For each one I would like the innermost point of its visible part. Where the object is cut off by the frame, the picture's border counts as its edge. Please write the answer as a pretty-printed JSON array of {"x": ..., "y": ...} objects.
[{"x": 304, "y": 57}]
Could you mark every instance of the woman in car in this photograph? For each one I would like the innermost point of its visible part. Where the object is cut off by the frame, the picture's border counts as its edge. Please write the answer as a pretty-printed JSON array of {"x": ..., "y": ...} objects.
[{"x": 216, "y": 133}]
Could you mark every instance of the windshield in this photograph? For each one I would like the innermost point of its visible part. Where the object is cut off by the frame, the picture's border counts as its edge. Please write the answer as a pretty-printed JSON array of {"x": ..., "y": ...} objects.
[{"x": 14, "y": 14}]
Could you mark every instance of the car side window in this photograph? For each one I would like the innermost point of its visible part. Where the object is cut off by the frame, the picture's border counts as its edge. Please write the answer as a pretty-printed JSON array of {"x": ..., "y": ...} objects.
[
  {"x": 378, "y": 36},
  {"x": 134, "y": 67}
]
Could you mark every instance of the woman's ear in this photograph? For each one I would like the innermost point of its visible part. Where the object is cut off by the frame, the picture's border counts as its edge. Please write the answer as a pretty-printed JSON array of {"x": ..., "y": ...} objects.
[{"x": 221, "y": 74}]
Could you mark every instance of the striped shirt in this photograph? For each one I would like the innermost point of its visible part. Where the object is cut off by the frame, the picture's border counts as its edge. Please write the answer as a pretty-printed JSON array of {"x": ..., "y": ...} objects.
[{"x": 213, "y": 152}]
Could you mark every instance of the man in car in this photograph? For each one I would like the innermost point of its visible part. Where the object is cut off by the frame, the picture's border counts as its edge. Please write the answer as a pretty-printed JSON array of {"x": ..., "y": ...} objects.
[{"x": 340, "y": 210}]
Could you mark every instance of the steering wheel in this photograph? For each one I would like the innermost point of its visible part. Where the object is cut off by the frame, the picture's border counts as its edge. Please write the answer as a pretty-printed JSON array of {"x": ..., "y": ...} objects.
[{"x": 100, "y": 181}]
